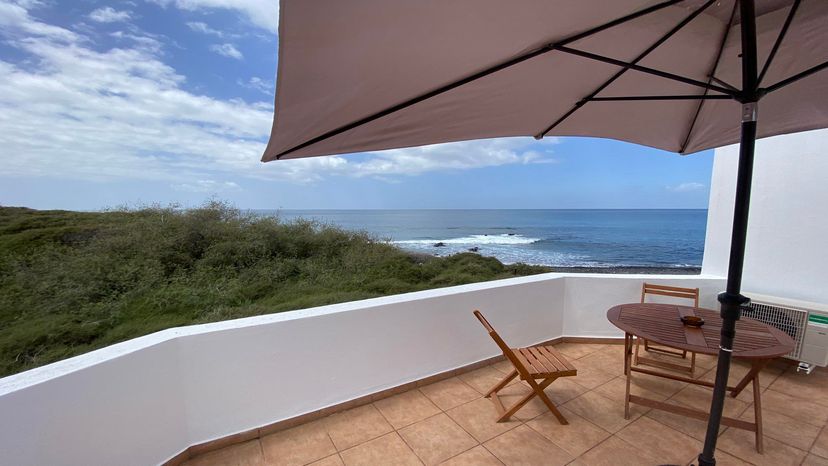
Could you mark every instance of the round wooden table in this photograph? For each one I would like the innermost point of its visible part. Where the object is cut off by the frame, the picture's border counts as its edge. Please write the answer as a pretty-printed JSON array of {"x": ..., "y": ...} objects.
[{"x": 755, "y": 342}]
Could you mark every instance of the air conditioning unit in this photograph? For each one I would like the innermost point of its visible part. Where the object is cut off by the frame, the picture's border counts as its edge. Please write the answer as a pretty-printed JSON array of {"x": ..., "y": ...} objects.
[{"x": 806, "y": 323}]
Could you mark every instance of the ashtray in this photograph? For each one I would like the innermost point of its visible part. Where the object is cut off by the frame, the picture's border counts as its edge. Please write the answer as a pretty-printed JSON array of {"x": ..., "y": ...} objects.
[{"x": 692, "y": 321}]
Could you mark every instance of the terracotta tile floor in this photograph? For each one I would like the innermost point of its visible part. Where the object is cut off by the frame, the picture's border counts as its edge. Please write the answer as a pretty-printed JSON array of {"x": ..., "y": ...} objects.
[{"x": 449, "y": 422}]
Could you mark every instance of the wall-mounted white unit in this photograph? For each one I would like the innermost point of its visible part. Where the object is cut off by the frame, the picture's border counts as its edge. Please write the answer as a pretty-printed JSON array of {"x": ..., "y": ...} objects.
[{"x": 805, "y": 322}]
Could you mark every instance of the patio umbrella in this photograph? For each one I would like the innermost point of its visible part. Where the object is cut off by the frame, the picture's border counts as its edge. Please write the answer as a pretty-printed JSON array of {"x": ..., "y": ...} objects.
[{"x": 678, "y": 75}]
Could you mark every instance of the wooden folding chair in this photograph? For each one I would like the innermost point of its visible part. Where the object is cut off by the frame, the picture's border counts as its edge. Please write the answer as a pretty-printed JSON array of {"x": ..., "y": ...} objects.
[
  {"x": 674, "y": 292},
  {"x": 542, "y": 363}
]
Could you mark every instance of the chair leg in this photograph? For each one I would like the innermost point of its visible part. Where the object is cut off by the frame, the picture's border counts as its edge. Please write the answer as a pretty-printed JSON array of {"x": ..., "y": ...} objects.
[
  {"x": 637, "y": 346},
  {"x": 549, "y": 404},
  {"x": 674, "y": 353},
  {"x": 505, "y": 415},
  {"x": 537, "y": 390},
  {"x": 500, "y": 385}
]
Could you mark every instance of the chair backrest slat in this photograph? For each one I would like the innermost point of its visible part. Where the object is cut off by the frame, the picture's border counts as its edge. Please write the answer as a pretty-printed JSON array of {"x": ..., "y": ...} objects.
[
  {"x": 671, "y": 291},
  {"x": 484, "y": 321},
  {"x": 510, "y": 355}
]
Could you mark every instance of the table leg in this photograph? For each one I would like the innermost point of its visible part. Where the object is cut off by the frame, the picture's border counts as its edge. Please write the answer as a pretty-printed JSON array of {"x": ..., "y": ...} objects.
[
  {"x": 757, "y": 414},
  {"x": 628, "y": 344},
  {"x": 752, "y": 377},
  {"x": 626, "y": 350},
  {"x": 637, "y": 345},
  {"x": 756, "y": 367}
]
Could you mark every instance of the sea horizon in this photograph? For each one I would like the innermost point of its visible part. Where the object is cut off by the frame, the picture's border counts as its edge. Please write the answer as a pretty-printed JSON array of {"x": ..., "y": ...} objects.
[
  {"x": 472, "y": 208},
  {"x": 584, "y": 238}
]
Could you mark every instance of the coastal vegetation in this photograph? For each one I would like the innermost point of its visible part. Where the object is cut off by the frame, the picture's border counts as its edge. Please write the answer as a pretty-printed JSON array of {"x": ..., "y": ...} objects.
[{"x": 71, "y": 282}]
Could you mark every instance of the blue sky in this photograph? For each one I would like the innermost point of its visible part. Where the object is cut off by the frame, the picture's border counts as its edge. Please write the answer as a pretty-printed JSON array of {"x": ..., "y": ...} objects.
[{"x": 170, "y": 101}]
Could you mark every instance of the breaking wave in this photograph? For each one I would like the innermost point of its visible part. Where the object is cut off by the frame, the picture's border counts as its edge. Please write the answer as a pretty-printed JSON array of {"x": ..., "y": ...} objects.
[{"x": 474, "y": 239}]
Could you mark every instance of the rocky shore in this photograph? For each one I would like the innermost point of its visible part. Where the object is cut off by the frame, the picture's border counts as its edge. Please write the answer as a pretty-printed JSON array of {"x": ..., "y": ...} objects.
[{"x": 637, "y": 270}]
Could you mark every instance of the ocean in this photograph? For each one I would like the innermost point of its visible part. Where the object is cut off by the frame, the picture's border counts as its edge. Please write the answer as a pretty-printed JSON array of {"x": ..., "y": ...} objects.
[{"x": 564, "y": 238}]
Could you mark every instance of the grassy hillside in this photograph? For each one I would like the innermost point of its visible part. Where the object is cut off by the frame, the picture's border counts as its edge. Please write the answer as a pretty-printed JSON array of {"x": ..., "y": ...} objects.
[{"x": 71, "y": 282}]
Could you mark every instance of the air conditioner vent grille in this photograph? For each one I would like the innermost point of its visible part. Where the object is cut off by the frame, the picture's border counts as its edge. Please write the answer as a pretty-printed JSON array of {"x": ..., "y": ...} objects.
[{"x": 791, "y": 321}]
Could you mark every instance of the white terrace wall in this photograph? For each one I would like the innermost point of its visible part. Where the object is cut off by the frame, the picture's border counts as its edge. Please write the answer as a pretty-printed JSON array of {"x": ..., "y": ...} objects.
[
  {"x": 787, "y": 244},
  {"x": 587, "y": 295},
  {"x": 143, "y": 401}
]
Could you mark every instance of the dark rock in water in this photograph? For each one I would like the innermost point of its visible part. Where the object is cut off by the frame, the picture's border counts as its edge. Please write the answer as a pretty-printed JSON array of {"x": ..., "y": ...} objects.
[
  {"x": 474, "y": 249},
  {"x": 511, "y": 234},
  {"x": 440, "y": 245}
]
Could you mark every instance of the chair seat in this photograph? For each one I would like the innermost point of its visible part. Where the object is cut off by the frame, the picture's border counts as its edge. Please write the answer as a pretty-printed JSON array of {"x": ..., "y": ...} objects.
[{"x": 544, "y": 361}]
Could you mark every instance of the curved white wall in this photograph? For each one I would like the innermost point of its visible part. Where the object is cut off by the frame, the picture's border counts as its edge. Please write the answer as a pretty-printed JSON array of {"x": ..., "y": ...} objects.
[
  {"x": 787, "y": 242},
  {"x": 143, "y": 401}
]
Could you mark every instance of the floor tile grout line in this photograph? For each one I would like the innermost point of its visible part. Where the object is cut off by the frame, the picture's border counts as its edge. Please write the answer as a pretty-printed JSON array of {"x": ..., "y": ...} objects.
[
  {"x": 396, "y": 429},
  {"x": 446, "y": 412},
  {"x": 791, "y": 418},
  {"x": 609, "y": 434},
  {"x": 464, "y": 429},
  {"x": 374, "y": 405},
  {"x": 600, "y": 443},
  {"x": 464, "y": 451},
  {"x": 261, "y": 447},
  {"x": 422, "y": 461},
  {"x": 429, "y": 417},
  {"x": 330, "y": 439},
  {"x": 479, "y": 443},
  {"x": 461, "y": 404},
  {"x": 339, "y": 452},
  {"x": 823, "y": 429},
  {"x": 364, "y": 441},
  {"x": 671, "y": 428},
  {"x": 491, "y": 452},
  {"x": 821, "y": 405}
]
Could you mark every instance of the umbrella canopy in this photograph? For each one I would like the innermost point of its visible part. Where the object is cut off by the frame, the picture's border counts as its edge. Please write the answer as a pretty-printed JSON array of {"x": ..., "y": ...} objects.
[
  {"x": 680, "y": 75},
  {"x": 366, "y": 75}
]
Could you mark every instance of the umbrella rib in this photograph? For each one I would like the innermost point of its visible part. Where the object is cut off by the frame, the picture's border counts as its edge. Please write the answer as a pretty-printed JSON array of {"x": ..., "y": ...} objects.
[
  {"x": 778, "y": 42},
  {"x": 623, "y": 70},
  {"x": 794, "y": 78},
  {"x": 645, "y": 69},
  {"x": 721, "y": 82},
  {"x": 660, "y": 97},
  {"x": 481, "y": 74},
  {"x": 725, "y": 35}
]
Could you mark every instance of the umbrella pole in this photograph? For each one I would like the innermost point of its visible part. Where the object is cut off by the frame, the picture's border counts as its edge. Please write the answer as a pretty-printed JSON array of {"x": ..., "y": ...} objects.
[{"x": 732, "y": 299}]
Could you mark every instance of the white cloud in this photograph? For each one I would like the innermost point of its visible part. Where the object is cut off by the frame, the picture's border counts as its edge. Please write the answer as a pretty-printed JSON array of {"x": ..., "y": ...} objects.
[
  {"x": 204, "y": 29},
  {"x": 140, "y": 40},
  {"x": 207, "y": 186},
  {"x": 259, "y": 84},
  {"x": 109, "y": 15},
  {"x": 15, "y": 21},
  {"x": 261, "y": 13},
  {"x": 227, "y": 50},
  {"x": 77, "y": 112},
  {"x": 456, "y": 156},
  {"x": 686, "y": 187},
  {"x": 28, "y": 4}
]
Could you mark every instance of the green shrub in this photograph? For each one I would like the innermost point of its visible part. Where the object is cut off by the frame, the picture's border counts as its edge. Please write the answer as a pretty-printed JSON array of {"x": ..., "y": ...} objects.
[{"x": 71, "y": 282}]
